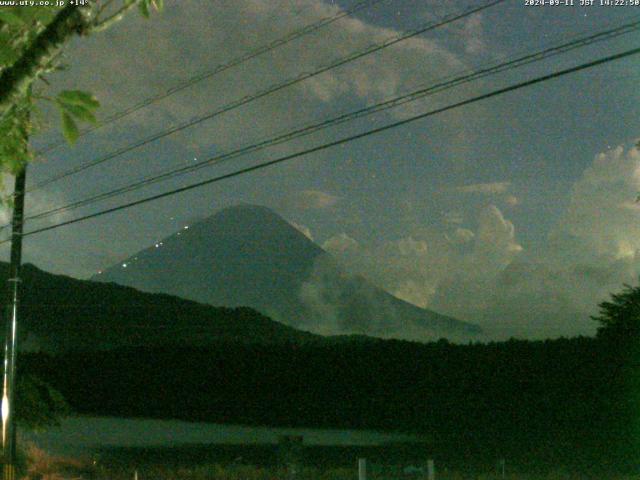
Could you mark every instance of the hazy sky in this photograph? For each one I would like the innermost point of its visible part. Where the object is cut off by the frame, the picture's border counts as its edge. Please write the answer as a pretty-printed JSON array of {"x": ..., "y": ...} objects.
[{"x": 516, "y": 212}]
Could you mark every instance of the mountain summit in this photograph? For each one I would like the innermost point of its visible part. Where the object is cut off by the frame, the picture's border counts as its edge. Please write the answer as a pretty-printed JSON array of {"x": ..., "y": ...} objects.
[{"x": 250, "y": 256}]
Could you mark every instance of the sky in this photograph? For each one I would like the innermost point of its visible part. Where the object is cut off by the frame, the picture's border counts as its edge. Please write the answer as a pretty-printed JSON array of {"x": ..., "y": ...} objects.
[{"x": 517, "y": 212}]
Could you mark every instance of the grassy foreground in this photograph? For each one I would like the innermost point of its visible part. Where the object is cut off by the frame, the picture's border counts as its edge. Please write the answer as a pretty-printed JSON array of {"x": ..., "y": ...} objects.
[{"x": 38, "y": 465}]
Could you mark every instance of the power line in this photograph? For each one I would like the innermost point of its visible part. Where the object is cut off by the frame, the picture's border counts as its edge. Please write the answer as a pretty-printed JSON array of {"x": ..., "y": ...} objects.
[
  {"x": 391, "y": 103},
  {"x": 306, "y": 30},
  {"x": 273, "y": 89},
  {"x": 344, "y": 140}
]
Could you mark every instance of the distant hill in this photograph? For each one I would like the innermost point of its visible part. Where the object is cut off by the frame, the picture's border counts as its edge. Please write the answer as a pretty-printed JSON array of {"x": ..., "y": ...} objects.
[
  {"x": 250, "y": 256},
  {"x": 61, "y": 313}
]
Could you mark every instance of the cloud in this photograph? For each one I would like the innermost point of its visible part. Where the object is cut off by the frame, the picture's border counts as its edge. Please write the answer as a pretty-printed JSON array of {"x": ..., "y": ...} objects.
[
  {"x": 35, "y": 202},
  {"x": 312, "y": 200},
  {"x": 479, "y": 273},
  {"x": 412, "y": 267},
  {"x": 511, "y": 200},
  {"x": 402, "y": 267},
  {"x": 341, "y": 302},
  {"x": 191, "y": 38},
  {"x": 483, "y": 275},
  {"x": 590, "y": 253},
  {"x": 484, "y": 188},
  {"x": 473, "y": 34},
  {"x": 454, "y": 272},
  {"x": 495, "y": 244},
  {"x": 302, "y": 229},
  {"x": 180, "y": 40},
  {"x": 461, "y": 236},
  {"x": 499, "y": 191},
  {"x": 414, "y": 292},
  {"x": 601, "y": 212},
  {"x": 464, "y": 290},
  {"x": 37, "y": 249},
  {"x": 340, "y": 243}
]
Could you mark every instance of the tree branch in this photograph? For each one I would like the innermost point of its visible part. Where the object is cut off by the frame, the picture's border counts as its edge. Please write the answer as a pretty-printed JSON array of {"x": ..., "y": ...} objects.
[
  {"x": 99, "y": 26},
  {"x": 15, "y": 80}
]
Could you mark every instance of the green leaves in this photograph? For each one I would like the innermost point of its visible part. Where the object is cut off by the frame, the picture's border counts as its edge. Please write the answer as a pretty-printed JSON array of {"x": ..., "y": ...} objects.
[
  {"x": 75, "y": 105},
  {"x": 13, "y": 29},
  {"x": 620, "y": 318},
  {"x": 8, "y": 52},
  {"x": 79, "y": 98},
  {"x": 19, "y": 28},
  {"x": 145, "y": 6},
  {"x": 10, "y": 18},
  {"x": 70, "y": 128},
  {"x": 16, "y": 127},
  {"x": 39, "y": 404}
]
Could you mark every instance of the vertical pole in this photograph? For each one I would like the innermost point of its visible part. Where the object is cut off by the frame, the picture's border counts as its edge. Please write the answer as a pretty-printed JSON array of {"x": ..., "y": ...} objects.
[
  {"x": 431, "y": 470},
  {"x": 362, "y": 469},
  {"x": 11, "y": 337}
]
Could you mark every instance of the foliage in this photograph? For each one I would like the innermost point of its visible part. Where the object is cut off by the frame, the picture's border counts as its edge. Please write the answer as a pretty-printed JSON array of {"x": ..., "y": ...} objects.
[
  {"x": 18, "y": 28},
  {"x": 39, "y": 404},
  {"x": 548, "y": 403},
  {"x": 619, "y": 318},
  {"x": 53, "y": 468},
  {"x": 14, "y": 144},
  {"x": 146, "y": 5},
  {"x": 31, "y": 43},
  {"x": 75, "y": 105}
]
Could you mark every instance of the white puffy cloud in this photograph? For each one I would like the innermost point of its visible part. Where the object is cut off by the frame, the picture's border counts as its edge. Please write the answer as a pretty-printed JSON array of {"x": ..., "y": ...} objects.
[
  {"x": 495, "y": 244},
  {"x": 413, "y": 267},
  {"x": 603, "y": 212},
  {"x": 590, "y": 253},
  {"x": 485, "y": 277},
  {"x": 401, "y": 267}
]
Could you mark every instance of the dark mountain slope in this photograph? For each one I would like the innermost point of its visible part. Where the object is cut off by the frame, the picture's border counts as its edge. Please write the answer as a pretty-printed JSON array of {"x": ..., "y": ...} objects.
[
  {"x": 60, "y": 312},
  {"x": 250, "y": 256}
]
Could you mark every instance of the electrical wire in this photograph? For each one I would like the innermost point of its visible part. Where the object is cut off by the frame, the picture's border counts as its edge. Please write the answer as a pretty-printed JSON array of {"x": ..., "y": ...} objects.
[
  {"x": 306, "y": 30},
  {"x": 263, "y": 93},
  {"x": 341, "y": 141},
  {"x": 313, "y": 128}
]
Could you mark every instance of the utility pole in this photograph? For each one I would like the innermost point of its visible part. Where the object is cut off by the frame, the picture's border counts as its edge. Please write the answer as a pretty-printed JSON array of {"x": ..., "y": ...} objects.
[{"x": 11, "y": 336}]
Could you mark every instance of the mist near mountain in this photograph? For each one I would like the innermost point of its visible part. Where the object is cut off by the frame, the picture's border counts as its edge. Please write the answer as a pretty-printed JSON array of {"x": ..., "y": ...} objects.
[{"x": 250, "y": 256}]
